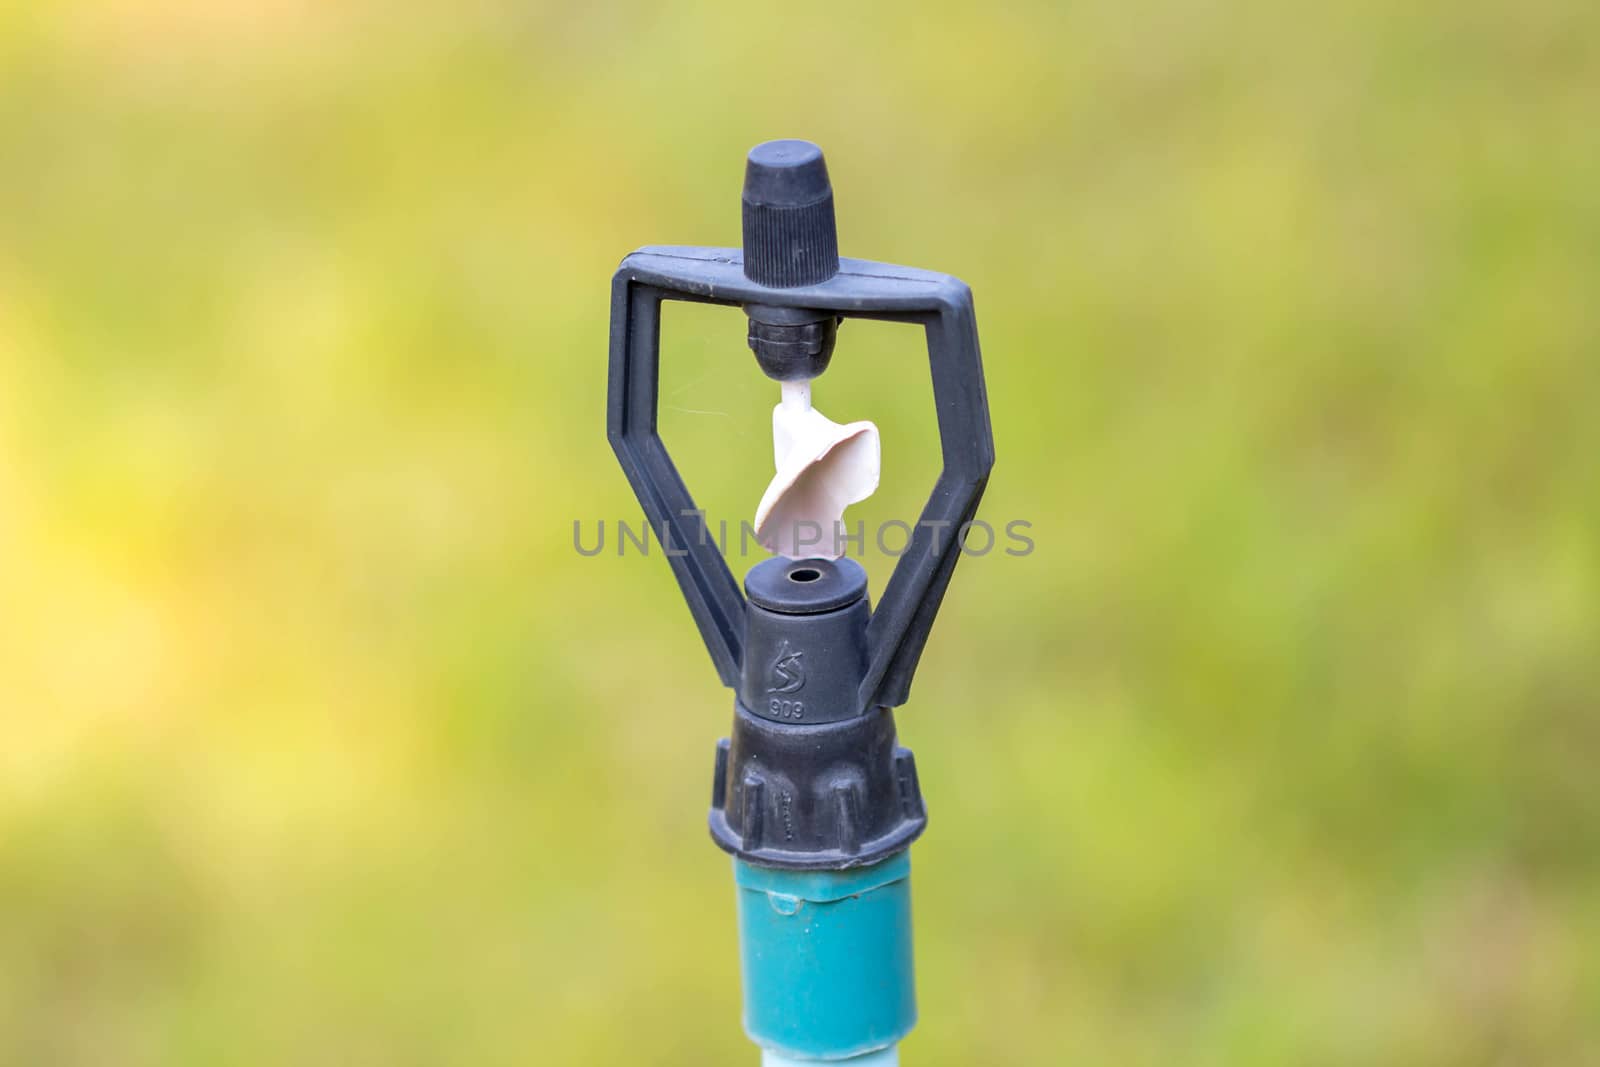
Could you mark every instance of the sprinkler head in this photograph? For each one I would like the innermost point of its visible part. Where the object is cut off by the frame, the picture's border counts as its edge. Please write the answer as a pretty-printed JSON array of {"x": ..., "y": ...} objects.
[{"x": 792, "y": 285}]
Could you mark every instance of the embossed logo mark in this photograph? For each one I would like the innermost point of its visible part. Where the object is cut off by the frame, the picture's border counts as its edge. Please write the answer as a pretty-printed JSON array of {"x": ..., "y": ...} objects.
[{"x": 788, "y": 672}]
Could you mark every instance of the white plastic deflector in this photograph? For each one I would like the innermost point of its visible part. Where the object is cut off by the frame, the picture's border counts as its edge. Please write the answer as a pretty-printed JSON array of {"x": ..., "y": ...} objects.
[{"x": 823, "y": 468}]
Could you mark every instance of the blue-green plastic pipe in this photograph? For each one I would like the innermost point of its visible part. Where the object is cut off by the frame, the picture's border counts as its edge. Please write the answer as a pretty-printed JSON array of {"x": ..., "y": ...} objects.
[
  {"x": 889, "y": 1057},
  {"x": 826, "y": 958}
]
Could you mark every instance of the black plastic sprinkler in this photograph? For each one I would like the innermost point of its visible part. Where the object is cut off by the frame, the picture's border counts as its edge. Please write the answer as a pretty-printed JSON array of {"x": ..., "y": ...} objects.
[{"x": 812, "y": 795}]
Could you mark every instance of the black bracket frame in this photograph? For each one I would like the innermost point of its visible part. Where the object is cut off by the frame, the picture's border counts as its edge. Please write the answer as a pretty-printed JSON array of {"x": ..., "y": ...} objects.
[{"x": 941, "y": 304}]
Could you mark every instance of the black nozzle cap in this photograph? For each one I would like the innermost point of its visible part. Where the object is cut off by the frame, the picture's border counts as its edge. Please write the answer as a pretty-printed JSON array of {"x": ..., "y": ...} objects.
[
  {"x": 805, "y": 586},
  {"x": 789, "y": 234},
  {"x": 805, "y": 640}
]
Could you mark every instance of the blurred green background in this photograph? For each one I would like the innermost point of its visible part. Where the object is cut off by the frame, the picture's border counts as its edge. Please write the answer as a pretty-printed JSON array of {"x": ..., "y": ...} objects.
[{"x": 320, "y": 745}]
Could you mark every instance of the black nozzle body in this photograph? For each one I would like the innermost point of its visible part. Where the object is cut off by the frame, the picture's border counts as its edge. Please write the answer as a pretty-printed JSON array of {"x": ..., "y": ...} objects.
[{"x": 809, "y": 778}]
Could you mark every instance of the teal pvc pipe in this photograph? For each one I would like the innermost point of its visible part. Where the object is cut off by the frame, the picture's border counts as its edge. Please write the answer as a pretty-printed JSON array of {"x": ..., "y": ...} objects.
[
  {"x": 826, "y": 957},
  {"x": 889, "y": 1057}
]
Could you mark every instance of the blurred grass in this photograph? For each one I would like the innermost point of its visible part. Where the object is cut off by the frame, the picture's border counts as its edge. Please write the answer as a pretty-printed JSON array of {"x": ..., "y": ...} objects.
[{"x": 320, "y": 745}]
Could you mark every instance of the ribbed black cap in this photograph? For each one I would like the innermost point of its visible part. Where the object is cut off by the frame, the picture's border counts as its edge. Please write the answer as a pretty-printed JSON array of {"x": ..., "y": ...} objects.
[{"x": 789, "y": 233}]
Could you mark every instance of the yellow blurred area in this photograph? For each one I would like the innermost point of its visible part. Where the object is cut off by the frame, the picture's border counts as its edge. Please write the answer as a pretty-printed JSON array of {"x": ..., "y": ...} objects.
[{"x": 320, "y": 743}]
